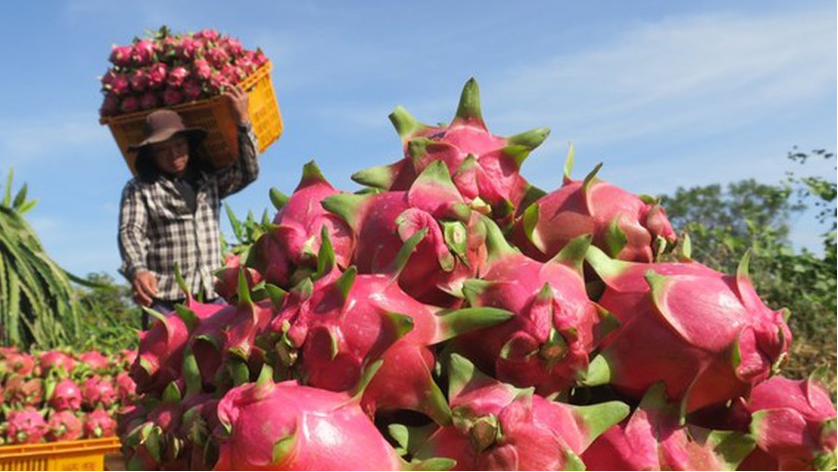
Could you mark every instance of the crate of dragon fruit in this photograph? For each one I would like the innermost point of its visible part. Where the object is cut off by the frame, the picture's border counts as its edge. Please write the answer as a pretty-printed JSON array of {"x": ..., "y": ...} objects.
[
  {"x": 84, "y": 454},
  {"x": 188, "y": 73}
]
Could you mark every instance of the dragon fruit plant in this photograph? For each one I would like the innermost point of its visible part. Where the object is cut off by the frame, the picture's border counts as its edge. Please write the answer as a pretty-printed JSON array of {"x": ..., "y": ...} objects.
[
  {"x": 166, "y": 69},
  {"x": 453, "y": 316},
  {"x": 57, "y": 395}
]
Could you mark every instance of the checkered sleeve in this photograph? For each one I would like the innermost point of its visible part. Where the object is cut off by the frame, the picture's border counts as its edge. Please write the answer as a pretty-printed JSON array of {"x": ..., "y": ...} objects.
[
  {"x": 133, "y": 240},
  {"x": 246, "y": 168}
]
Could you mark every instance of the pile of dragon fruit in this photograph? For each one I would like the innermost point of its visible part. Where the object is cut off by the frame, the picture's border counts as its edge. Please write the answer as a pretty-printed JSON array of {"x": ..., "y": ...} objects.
[
  {"x": 56, "y": 396},
  {"x": 451, "y": 315},
  {"x": 166, "y": 69}
]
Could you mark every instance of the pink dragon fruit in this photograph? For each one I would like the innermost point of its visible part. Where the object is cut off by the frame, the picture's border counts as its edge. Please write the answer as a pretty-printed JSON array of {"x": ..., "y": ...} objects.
[
  {"x": 95, "y": 360},
  {"x": 555, "y": 326},
  {"x": 172, "y": 96},
  {"x": 19, "y": 363},
  {"x": 149, "y": 100},
  {"x": 482, "y": 165},
  {"x": 142, "y": 53},
  {"x": 161, "y": 353},
  {"x": 191, "y": 90},
  {"x": 139, "y": 80},
  {"x": 718, "y": 336},
  {"x": 161, "y": 347},
  {"x": 655, "y": 438},
  {"x": 232, "y": 45},
  {"x": 227, "y": 278},
  {"x": 98, "y": 424},
  {"x": 154, "y": 440},
  {"x": 177, "y": 76},
  {"x": 449, "y": 254},
  {"x": 23, "y": 391},
  {"x": 97, "y": 391},
  {"x": 405, "y": 380},
  {"x": 499, "y": 427},
  {"x": 129, "y": 104},
  {"x": 157, "y": 74},
  {"x": 201, "y": 69},
  {"x": 223, "y": 345},
  {"x": 288, "y": 251},
  {"x": 343, "y": 325},
  {"x": 126, "y": 388},
  {"x": 625, "y": 226},
  {"x": 117, "y": 83},
  {"x": 66, "y": 396},
  {"x": 286, "y": 426},
  {"x": 26, "y": 426},
  {"x": 188, "y": 48},
  {"x": 63, "y": 426},
  {"x": 121, "y": 55},
  {"x": 234, "y": 74},
  {"x": 56, "y": 361},
  {"x": 348, "y": 309},
  {"x": 218, "y": 57},
  {"x": 207, "y": 35},
  {"x": 199, "y": 421},
  {"x": 793, "y": 422}
]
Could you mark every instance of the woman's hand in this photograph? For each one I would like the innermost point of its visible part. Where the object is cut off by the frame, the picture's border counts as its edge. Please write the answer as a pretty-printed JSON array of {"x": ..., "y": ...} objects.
[
  {"x": 145, "y": 287},
  {"x": 238, "y": 103}
]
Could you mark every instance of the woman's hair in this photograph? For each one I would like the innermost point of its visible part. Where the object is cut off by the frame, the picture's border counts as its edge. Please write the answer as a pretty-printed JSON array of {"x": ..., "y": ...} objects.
[{"x": 147, "y": 170}]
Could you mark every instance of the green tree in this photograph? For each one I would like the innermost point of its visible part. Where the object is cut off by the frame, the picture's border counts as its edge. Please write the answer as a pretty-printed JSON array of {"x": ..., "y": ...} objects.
[{"x": 109, "y": 318}]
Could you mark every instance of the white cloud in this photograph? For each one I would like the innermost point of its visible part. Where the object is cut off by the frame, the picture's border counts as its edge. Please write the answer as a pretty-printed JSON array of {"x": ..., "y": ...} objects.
[{"x": 710, "y": 71}]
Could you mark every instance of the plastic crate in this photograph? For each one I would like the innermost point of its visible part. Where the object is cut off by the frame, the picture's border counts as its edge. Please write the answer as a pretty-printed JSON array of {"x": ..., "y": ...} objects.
[
  {"x": 214, "y": 115},
  {"x": 86, "y": 454}
]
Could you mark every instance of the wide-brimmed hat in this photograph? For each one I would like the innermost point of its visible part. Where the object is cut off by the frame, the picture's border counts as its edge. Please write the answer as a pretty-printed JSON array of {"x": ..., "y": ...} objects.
[{"x": 161, "y": 125}]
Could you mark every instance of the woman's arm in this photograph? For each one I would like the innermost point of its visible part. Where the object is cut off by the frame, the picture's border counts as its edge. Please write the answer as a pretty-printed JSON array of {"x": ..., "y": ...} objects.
[{"x": 246, "y": 168}]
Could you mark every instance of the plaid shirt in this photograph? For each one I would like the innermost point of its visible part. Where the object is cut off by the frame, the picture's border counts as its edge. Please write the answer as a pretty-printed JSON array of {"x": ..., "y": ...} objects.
[{"x": 157, "y": 229}]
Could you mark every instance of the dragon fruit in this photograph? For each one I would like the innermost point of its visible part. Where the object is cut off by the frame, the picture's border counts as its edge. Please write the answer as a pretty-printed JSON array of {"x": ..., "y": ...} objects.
[
  {"x": 499, "y": 427},
  {"x": 23, "y": 391},
  {"x": 98, "y": 424},
  {"x": 286, "y": 426},
  {"x": 793, "y": 422},
  {"x": 224, "y": 343},
  {"x": 227, "y": 278},
  {"x": 66, "y": 396},
  {"x": 19, "y": 362},
  {"x": 347, "y": 323},
  {"x": 161, "y": 353},
  {"x": 26, "y": 426},
  {"x": 63, "y": 426},
  {"x": 95, "y": 360},
  {"x": 156, "y": 438},
  {"x": 718, "y": 336},
  {"x": 126, "y": 388},
  {"x": 483, "y": 165},
  {"x": 97, "y": 391},
  {"x": 382, "y": 223},
  {"x": 56, "y": 361},
  {"x": 555, "y": 326},
  {"x": 162, "y": 346},
  {"x": 288, "y": 251},
  {"x": 655, "y": 438},
  {"x": 121, "y": 55},
  {"x": 142, "y": 53},
  {"x": 625, "y": 226}
]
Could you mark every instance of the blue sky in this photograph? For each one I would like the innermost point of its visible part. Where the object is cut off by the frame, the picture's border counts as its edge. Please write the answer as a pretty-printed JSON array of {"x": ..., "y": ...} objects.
[{"x": 666, "y": 94}]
